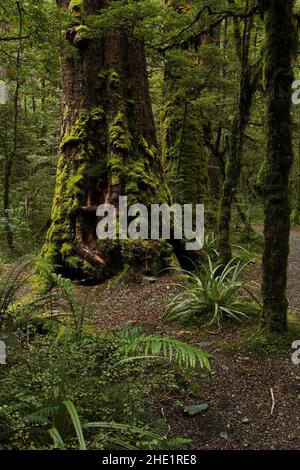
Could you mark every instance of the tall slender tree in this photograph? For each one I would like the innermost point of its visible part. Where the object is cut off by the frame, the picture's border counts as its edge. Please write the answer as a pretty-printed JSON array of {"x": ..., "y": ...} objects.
[
  {"x": 11, "y": 153},
  {"x": 274, "y": 180},
  {"x": 247, "y": 88}
]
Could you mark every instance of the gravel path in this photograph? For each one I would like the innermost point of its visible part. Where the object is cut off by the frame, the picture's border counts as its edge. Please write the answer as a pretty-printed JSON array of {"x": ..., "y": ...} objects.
[{"x": 294, "y": 272}]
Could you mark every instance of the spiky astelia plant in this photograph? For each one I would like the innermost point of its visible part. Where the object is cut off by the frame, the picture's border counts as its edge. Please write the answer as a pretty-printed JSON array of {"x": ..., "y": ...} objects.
[{"x": 215, "y": 294}]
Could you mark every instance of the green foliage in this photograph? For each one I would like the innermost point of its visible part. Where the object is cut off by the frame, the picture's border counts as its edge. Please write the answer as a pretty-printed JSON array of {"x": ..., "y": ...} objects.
[
  {"x": 265, "y": 343},
  {"x": 29, "y": 132},
  {"x": 118, "y": 136},
  {"x": 79, "y": 428},
  {"x": 51, "y": 382},
  {"x": 210, "y": 245},
  {"x": 217, "y": 293},
  {"x": 167, "y": 348},
  {"x": 241, "y": 253},
  {"x": 21, "y": 305},
  {"x": 10, "y": 287},
  {"x": 76, "y": 7}
]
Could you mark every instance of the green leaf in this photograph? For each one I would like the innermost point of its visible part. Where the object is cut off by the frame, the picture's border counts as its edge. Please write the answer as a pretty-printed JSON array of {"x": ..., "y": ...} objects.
[{"x": 76, "y": 423}]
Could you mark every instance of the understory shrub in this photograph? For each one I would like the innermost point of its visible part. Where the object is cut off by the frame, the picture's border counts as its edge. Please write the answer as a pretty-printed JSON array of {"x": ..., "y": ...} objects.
[{"x": 100, "y": 384}]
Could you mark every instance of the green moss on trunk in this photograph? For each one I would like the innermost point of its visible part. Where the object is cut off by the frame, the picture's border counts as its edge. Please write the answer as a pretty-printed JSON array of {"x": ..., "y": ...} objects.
[
  {"x": 184, "y": 151},
  {"x": 247, "y": 88},
  {"x": 108, "y": 149},
  {"x": 274, "y": 177},
  {"x": 77, "y": 168}
]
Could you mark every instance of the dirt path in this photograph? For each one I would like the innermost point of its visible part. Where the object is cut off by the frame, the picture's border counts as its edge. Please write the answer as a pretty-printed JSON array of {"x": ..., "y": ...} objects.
[{"x": 294, "y": 272}]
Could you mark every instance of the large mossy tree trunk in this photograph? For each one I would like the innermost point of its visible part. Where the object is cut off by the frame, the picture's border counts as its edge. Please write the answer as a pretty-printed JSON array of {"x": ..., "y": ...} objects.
[
  {"x": 274, "y": 178},
  {"x": 108, "y": 149}
]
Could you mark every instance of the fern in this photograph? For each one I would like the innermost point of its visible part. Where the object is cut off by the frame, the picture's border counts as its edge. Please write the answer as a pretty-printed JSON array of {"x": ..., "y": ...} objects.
[
  {"x": 167, "y": 348},
  {"x": 10, "y": 287}
]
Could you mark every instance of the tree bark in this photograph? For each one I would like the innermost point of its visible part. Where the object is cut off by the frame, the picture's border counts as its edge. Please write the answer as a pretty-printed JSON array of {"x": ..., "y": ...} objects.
[
  {"x": 274, "y": 178},
  {"x": 11, "y": 154},
  {"x": 183, "y": 144},
  {"x": 233, "y": 163},
  {"x": 108, "y": 149}
]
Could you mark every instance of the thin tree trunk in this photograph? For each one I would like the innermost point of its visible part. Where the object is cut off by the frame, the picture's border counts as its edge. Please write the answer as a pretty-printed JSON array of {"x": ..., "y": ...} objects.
[
  {"x": 233, "y": 164},
  {"x": 11, "y": 154},
  {"x": 275, "y": 173}
]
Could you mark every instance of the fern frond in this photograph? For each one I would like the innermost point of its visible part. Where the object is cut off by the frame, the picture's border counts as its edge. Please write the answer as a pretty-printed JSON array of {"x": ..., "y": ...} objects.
[{"x": 170, "y": 349}]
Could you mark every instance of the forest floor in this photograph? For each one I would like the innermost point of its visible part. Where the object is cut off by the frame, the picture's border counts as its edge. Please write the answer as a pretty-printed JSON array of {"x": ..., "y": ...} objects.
[{"x": 247, "y": 367}]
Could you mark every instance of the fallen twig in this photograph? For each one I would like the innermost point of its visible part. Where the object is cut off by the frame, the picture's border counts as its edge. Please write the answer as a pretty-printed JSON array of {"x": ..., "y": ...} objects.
[{"x": 273, "y": 401}]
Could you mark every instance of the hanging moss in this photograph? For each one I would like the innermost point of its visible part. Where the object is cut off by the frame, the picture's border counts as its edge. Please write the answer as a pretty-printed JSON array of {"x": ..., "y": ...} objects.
[
  {"x": 69, "y": 139},
  {"x": 129, "y": 166},
  {"x": 119, "y": 136},
  {"x": 101, "y": 78},
  {"x": 131, "y": 187},
  {"x": 79, "y": 130},
  {"x": 82, "y": 28},
  {"x": 66, "y": 249},
  {"x": 82, "y": 34},
  {"x": 150, "y": 150},
  {"x": 97, "y": 114}
]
